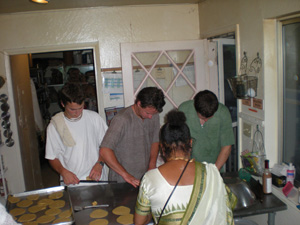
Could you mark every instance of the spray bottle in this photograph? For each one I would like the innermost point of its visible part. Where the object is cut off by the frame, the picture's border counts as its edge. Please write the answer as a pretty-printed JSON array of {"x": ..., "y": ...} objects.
[{"x": 290, "y": 174}]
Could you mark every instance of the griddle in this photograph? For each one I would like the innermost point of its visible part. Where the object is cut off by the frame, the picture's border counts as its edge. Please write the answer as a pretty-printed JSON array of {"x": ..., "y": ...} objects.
[{"x": 120, "y": 194}]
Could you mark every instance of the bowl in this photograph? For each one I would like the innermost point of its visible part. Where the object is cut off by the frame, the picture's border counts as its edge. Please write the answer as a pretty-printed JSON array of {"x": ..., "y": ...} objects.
[{"x": 245, "y": 196}]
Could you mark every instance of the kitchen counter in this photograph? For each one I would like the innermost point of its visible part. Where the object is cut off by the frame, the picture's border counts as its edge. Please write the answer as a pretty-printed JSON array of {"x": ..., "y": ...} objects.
[
  {"x": 125, "y": 195},
  {"x": 270, "y": 204}
]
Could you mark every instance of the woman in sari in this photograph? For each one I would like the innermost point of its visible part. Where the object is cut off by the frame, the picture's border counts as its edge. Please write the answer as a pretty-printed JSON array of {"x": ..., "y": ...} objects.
[{"x": 200, "y": 196}]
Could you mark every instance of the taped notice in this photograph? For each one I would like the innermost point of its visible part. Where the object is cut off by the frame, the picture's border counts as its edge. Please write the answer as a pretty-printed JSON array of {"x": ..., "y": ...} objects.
[
  {"x": 258, "y": 103},
  {"x": 246, "y": 102}
]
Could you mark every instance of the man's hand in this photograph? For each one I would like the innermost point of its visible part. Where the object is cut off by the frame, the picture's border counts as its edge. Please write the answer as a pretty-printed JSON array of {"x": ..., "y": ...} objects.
[
  {"x": 96, "y": 172},
  {"x": 131, "y": 180},
  {"x": 69, "y": 177}
]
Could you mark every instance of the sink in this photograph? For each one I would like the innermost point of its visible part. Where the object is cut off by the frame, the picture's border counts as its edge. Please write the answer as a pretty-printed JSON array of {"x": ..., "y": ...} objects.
[{"x": 245, "y": 196}]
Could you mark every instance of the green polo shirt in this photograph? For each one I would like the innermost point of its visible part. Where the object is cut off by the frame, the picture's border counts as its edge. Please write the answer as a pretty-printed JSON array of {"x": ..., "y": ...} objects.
[{"x": 217, "y": 132}]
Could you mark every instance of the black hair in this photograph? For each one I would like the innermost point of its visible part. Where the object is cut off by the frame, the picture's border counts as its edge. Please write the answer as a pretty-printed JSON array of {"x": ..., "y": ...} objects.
[
  {"x": 151, "y": 97},
  {"x": 175, "y": 134},
  {"x": 206, "y": 103},
  {"x": 72, "y": 92}
]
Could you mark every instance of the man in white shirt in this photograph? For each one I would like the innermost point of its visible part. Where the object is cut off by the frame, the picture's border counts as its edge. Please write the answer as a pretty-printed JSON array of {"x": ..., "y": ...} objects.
[{"x": 74, "y": 137}]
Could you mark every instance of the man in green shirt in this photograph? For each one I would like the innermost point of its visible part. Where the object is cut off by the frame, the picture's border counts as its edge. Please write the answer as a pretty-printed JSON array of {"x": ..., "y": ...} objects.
[{"x": 211, "y": 128}]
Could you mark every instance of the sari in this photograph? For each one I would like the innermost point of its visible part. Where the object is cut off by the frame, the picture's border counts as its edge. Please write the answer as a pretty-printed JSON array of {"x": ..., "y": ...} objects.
[{"x": 211, "y": 201}]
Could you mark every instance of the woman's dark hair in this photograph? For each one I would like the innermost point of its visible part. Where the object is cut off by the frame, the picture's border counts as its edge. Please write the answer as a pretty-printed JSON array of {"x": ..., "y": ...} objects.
[
  {"x": 175, "y": 134},
  {"x": 72, "y": 92},
  {"x": 151, "y": 97},
  {"x": 206, "y": 103}
]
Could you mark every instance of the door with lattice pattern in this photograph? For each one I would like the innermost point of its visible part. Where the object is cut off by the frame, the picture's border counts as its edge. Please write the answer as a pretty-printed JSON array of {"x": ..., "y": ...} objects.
[{"x": 180, "y": 69}]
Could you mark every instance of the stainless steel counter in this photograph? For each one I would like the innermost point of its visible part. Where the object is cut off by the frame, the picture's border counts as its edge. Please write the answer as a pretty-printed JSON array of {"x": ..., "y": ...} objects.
[
  {"x": 125, "y": 195},
  {"x": 113, "y": 194},
  {"x": 270, "y": 204}
]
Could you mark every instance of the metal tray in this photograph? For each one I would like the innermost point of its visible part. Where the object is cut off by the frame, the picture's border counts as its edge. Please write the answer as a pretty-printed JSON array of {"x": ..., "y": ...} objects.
[
  {"x": 121, "y": 194},
  {"x": 44, "y": 193}
]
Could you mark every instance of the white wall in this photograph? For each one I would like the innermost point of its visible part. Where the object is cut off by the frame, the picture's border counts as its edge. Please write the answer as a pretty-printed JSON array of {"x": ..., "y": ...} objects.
[
  {"x": 255, "y": 23},
  {"x": 255, "y": 34},
  {"x": 102, "y": 28}
]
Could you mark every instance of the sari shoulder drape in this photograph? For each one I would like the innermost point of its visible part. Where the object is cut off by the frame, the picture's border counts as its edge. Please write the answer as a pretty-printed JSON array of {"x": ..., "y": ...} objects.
[{"x": 211, "y": 201}]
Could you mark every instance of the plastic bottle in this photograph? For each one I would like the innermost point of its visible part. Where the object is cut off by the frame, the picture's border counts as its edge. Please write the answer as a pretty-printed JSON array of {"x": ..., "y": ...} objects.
[
  {"x": 290, "y": 174},
  {"x": 267, "y": 179}
]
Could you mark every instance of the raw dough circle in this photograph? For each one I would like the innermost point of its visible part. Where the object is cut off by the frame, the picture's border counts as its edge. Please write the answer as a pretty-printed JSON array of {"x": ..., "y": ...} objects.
[
  {"x": 53, "y": 211},
  {"x": 65, "y": 214},
  {"x": 99, "y": 222},
  {"x": 25, "y": 203},
  {"x": 36, "y": 208},
  {"x": 57, "y": 204},
  {"x": 45, "y": 201},
  {"x": 45, "y": 219},
  {"x": 13, "y": 199},
  {"x": 62, "y": 220},
  {"x": 33, "y": 197},
  {"x": 56, "y": 195},
  {"x": 121, "y": 210},
  {"x": 125, "y": 219},
  {"x": 17, "y": 211},
  {"x": 27, "y": 217},
  {"x": 98, "y": 213}
]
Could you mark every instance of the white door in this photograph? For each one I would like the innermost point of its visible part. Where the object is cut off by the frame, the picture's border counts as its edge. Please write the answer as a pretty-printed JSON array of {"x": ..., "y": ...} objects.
[{"x": 179, "y": 68}]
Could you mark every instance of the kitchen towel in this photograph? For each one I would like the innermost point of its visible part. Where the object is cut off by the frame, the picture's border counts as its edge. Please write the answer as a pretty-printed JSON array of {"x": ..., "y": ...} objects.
[{"x": 59, "y": 123}]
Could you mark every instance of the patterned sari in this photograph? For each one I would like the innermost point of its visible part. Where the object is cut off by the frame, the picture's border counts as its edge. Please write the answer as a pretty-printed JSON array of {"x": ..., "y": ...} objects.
[{"x": 211, "y": 202}]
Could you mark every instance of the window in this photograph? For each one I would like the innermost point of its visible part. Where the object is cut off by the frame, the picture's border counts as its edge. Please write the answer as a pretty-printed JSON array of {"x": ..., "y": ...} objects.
[{"x": 291, "y": 94}]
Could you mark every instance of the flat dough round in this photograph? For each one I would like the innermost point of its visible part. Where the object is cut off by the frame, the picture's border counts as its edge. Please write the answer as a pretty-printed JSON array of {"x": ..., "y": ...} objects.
[
  {"x": 25, "y": 203},
  {"x": 36, "y": 208},
  {"x": 62, "y": 220},
  {"x": 121, "y": 210},
  {"x": 45, "y": 219},
  {"x": 45, "y": 201},
  {"x": 27, "y": 217},
  {"x": 53, "y": 211},
  {"x": 57, "y": 204},
  {"x": 13, "y": 199},
  {"x": 33, "y": 197},
  {"x": 99, "y": 222},
  {"x": 56, "y": 195},
  {"x": 65, "y": 214},
  {"x": 17, "y": 211},
  {"x": 99, "y": 213},
  {"x": 31, "y": 223},
  {"x": 125, "y": 219}
]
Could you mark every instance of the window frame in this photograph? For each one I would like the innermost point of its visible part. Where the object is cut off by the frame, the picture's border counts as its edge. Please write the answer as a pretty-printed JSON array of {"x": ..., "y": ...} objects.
[{"x": 281, "y": 77}]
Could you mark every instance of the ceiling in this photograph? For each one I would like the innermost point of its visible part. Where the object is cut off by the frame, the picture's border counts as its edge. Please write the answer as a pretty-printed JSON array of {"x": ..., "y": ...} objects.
[{"x": 14, "y": 6}]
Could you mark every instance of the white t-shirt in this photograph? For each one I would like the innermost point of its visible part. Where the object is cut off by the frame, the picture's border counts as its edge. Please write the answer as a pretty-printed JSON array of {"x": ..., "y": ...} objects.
[{"x": 88, "y": 133}]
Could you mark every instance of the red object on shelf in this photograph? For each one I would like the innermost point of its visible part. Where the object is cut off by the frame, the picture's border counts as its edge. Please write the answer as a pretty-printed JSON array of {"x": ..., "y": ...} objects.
[{"x": 287, "y": 188}]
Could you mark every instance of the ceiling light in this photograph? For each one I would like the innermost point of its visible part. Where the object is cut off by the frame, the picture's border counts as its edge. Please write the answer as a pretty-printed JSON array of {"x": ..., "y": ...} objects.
[{"x": 41, "y": 1}]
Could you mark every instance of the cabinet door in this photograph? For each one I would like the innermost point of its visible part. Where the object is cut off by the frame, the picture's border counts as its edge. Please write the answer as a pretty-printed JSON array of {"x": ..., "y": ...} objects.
[{"x": 179, "y": 68}]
